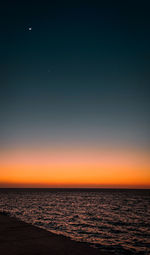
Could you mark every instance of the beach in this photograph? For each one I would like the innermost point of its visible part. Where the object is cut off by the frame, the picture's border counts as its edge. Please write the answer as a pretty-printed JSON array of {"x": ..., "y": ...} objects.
[{"x": 20, "y": 238}]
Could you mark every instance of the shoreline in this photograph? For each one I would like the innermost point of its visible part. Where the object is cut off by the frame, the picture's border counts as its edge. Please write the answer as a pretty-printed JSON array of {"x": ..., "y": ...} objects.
[{"x": 21, "y": 238}]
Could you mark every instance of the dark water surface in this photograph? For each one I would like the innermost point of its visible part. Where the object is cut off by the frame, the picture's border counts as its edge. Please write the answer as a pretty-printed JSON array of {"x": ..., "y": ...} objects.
[{"x": 117, "y": 220}]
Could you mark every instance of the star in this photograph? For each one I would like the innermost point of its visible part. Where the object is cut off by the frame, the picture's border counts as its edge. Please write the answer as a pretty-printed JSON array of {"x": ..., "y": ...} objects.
[{"x": 30, "y": 28}]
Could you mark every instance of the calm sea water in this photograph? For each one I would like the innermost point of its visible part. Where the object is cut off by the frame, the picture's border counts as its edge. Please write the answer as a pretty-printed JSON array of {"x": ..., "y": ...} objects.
[{"x": 117, "y": 220}]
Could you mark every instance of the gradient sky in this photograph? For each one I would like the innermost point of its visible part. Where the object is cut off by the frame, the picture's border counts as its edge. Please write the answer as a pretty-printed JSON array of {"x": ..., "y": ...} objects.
[{"x": 75, "y": 94}]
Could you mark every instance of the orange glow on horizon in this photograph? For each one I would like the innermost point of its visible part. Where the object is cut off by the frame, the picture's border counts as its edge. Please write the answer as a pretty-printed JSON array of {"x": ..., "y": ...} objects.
[{"x": 74, "y": 168}]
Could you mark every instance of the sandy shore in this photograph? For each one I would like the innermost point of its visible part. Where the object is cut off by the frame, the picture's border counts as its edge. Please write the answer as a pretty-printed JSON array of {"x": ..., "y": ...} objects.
[{"x": 20, "y": 238}]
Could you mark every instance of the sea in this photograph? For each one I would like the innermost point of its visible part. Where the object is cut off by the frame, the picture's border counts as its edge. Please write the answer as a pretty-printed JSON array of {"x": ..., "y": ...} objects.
[{"x": 116, "y": 220}]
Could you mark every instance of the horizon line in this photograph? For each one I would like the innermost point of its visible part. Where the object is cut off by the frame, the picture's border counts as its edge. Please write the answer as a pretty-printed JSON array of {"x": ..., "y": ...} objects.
[{"x": 84, "y": 188}]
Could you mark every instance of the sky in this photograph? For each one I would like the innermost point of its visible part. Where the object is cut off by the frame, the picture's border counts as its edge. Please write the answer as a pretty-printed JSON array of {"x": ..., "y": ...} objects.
[{"x": 75, "y": 94}]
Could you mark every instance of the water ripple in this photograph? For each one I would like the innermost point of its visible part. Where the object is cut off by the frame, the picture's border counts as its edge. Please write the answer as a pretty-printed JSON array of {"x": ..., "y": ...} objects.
[{"x": 113, "y": 220}]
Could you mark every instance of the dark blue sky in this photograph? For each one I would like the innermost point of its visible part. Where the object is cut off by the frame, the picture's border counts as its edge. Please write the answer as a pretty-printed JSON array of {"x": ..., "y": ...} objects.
[{"x": 81, "y": 75}]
